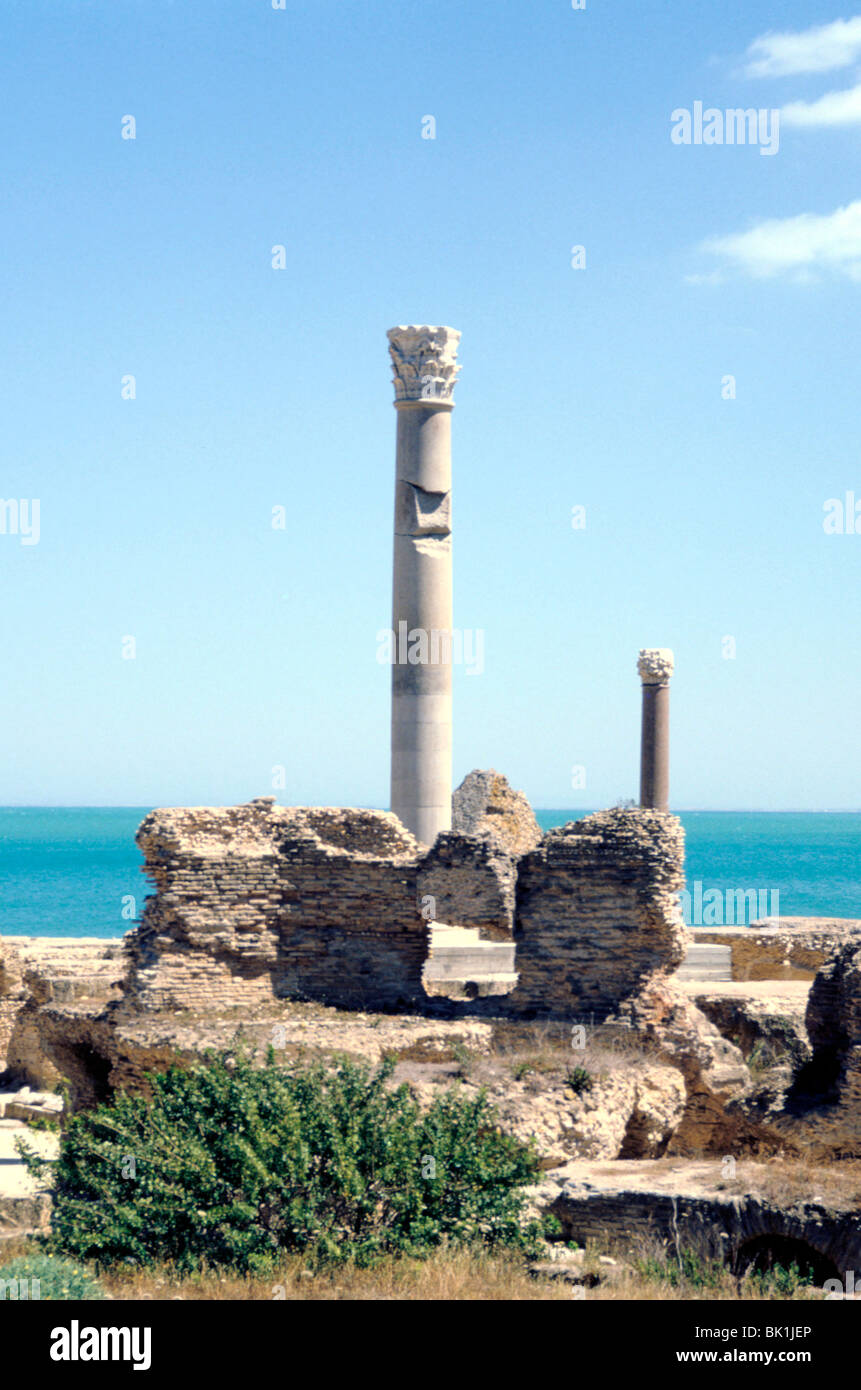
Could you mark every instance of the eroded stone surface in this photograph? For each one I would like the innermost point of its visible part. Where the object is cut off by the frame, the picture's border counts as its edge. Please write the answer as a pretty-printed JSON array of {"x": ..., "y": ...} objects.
[
  {"x": 692, "y": 1205},
  {"x": 598, "y": 913},
  {"x": 467, "y": 882},
  {"x": 825, "y": 1096},
  {"x": 630, "y": 1110},
  {"x": 36, "y": 971},
  {"x": 714, "y": 1068},
  {"x": 766, "y": 1019},
  {"x": 484, "y": 803},
  {"x": 263, "y": 902}
]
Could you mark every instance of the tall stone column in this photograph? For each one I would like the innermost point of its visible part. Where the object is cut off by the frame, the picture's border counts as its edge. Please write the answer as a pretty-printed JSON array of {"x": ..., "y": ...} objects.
[
  {"x": 425, "y": 370},
  {"x": 655, "y": 665}
]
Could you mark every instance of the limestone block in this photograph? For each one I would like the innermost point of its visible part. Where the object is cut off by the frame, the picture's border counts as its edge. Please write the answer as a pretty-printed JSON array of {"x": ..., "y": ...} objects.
[{"x": 484, "y": 802}]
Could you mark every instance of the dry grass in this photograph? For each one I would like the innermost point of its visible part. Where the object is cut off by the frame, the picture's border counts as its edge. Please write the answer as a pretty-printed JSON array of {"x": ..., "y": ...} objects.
[
  {"x": 650, "y": 1270},
  {"x": 645, "y": 1274},
  {"x": 543, "y": 1052},
  {"x": 261, "y": 1012},
  {"x": 783, "y": 1181},
  {"x": 727, "y": 1288},
  {"x": 517, "y": 1050},
  {"x": 445, "y": 1275}
]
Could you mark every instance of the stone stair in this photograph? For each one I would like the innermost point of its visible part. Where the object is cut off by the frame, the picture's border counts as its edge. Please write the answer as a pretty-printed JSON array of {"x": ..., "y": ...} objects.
[
  {"x": 462, "y": 964},
  {"x": 65, "y": 972},
  {"x": 24, "y": 1208},
  {"x": 706, "y": 962},
  {"x": 458, "y": 953}
]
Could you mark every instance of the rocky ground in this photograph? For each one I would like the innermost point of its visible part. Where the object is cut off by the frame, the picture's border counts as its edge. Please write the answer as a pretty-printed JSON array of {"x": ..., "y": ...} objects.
[{"x": 733, "y": 1101}]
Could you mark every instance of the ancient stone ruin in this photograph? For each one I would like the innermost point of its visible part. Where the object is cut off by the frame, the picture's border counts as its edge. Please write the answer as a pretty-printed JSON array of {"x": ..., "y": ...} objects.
[
  {"x": 425, "y": 372},
  {"x": 484, "y": 804},
  {"x": 451, "y": 927},
  {"x": 655, "y": 666},
  {"x": 260, "y": 901},
  {"x": 321, "y": 931}
]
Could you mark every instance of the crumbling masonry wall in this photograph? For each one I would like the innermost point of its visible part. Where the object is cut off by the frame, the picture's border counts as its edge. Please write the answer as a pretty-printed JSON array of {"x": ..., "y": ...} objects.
[
  {"x": 597, "y": 913},
  {"x": 260, "y": 902}
]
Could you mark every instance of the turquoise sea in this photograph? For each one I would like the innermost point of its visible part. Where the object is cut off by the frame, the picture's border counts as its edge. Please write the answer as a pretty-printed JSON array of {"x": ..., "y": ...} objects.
[
  {"x": 67, "y": 871},
  {"x": 810, "y": 859}
]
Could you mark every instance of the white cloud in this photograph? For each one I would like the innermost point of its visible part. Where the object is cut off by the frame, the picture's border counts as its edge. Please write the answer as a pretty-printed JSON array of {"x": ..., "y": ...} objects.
[
  {"x": 797, "y": 246},
  {"x": 835, "y": 108},
  {"x": 822, "y": 49}
]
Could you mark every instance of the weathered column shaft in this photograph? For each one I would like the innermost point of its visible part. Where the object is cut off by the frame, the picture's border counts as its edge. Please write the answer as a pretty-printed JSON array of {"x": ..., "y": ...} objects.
[
  {"x": 655, "y": 666},
  {"x": 421, "y": 785}
]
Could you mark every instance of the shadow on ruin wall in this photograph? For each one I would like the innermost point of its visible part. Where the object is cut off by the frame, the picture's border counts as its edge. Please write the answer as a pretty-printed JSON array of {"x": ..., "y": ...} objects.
[{"x": 259, "y": 902}]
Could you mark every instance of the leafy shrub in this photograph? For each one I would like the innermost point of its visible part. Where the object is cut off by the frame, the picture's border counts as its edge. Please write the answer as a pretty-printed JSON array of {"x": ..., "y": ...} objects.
[
  {"x": 230, "y": 1164},
  {"x": 45, "y": 1123},
  {"x": 686, "y": 1269},
  {"x": 579, "y": 1080},
  {"x": 57, "y": 1279},
  {"x": 691, "y": 1273},
  {"x": 781, "y": 1281},
  {"x": 461, "y": 1053}
]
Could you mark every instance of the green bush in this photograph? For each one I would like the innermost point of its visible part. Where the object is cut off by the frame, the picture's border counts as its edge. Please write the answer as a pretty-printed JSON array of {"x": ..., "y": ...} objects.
[
  {"x": 230, "y": 1164},
  {"x": 781, "y": 1281},
  {"x": 579, "y": 1080},
  {"x": 684, "y": 1269},
  {"x": 46, "y": 1123},
  {"x": 57, "y": 1279}
]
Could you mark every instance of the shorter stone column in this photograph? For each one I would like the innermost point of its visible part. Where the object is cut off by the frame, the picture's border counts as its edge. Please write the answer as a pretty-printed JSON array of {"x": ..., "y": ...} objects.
[{"x": 655, "y": 666}]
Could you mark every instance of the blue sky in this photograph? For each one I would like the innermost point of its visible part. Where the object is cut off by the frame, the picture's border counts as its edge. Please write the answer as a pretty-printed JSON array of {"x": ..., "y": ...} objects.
[{"x": 601, "y": 387}]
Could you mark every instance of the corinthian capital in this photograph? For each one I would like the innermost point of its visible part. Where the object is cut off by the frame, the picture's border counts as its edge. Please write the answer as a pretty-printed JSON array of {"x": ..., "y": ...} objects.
[
  {"x": 424, "y": 362},
  {"x": 655, "y": 665}
]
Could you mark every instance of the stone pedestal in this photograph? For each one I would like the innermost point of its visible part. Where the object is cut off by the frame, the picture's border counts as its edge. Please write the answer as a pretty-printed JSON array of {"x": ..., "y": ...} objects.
[
  {"x": 655, "y": 666},
  {"x": 425, "y": 371}
]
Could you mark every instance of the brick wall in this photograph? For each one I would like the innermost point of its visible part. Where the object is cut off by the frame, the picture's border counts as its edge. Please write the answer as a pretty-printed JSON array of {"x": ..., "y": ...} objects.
[
  {"x": 260, "y": 902},
  {"x": 597, "y": 912}
]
